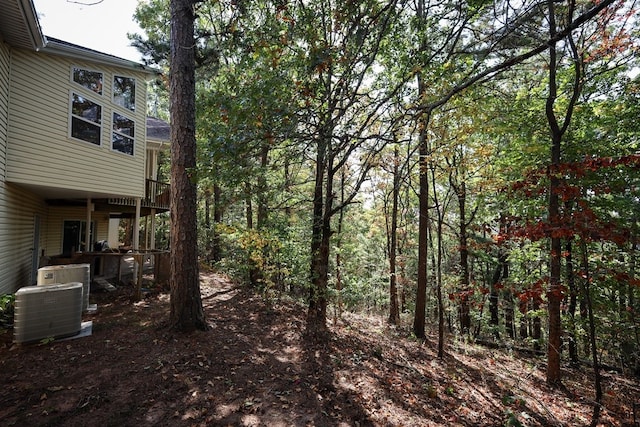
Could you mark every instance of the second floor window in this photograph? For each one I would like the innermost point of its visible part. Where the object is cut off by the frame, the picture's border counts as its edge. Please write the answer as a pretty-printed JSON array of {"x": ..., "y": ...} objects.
[
  {"x": 86, "y": 119},
  {"x": 124, "y": 92},
  {"x": 92, "y": 80},
  {"x": 122, "y": 139}
]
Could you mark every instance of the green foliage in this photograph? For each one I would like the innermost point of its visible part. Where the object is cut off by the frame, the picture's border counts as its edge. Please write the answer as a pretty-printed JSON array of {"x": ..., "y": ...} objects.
[
  {"x": 261, "y": 259},
  {"x": 7, "y": 306},
  {"x": 280, "y": 85},
  {"x": 47, "y": 341}
]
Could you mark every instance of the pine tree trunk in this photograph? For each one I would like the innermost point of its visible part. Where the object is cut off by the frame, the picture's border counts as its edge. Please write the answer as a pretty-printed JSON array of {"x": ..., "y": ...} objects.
[{"x": 186, "y": 304}]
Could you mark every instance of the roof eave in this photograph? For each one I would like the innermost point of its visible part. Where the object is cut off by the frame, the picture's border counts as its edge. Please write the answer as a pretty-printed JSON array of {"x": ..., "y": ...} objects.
[
  {"x": 77, "y": 52},
  {"x": 31, "y": 18}
]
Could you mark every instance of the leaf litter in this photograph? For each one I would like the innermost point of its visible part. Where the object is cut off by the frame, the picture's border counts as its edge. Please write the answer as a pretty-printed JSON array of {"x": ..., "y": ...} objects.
[{"x": 255, "y": 368}]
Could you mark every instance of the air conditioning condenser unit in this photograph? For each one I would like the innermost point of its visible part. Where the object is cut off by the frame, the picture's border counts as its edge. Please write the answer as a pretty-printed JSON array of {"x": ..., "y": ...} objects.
[
  {"x": 53, "y": 311},
  {"x": 69, "y": 273}
]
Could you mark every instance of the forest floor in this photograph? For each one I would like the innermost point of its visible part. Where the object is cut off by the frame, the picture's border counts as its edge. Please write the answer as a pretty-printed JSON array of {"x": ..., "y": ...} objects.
[{"x": 254, "y": 368}]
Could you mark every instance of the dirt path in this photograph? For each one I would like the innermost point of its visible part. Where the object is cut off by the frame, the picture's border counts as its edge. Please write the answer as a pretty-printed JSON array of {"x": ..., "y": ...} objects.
[{"x": 253, "y": 368}]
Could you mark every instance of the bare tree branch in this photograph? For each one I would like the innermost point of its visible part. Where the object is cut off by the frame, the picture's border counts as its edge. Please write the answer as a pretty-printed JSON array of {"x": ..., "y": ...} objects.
[{"x": 85, "y": 4}]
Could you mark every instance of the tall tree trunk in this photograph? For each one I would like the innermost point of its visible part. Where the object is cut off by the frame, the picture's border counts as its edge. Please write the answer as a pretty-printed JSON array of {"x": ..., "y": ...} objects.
[
  {"x": 536, "y": 324},
  {"x": 439, "y": 209},
  {"x": 423, "y": 202},
  {"x": 524, "y": 320},
  {"x": 254, "y": 275},
  {"x": 555, "y": 293},
  {"x": 573, "y": 301},
  {"x": 248, "y": 203},
  {"x": 592, "y": 334},
  {"x": 321, "y": 228},
  {"x": 439, "y": 292},
  {"x": 465, "y": 317},
  {"x": 498, "y": 274},
  {"x": 509, "y": 314},
  {"x": 423, "y": 226},
  {"x": 216, "y": 249},
  {"x": 339, "y": 249},
  {"x": 394, "y": 310},
  {"x": 263, "y": 208},
  {"x": 186, "y": 304}
]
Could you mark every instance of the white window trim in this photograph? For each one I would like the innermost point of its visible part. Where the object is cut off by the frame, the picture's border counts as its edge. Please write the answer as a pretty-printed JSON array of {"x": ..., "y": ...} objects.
[
  {"x": 133, "y": 137},
  {"x": 71, "y": 116},
  {"x": 76, "y": 84},
  {"x": 135, "y": 93}
]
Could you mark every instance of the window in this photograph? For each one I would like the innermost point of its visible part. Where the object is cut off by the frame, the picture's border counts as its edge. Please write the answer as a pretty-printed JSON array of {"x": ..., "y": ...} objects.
[
  {"x": 86, "y": 119},
  {"x": 92, "y": 80},
  {"x": 122, "y": 138},
  {"x": 124, "y": 92}
]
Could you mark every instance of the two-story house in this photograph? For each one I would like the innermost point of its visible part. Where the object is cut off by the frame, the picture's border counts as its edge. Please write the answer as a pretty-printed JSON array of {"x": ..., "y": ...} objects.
[{"x": 74, "y": 151}]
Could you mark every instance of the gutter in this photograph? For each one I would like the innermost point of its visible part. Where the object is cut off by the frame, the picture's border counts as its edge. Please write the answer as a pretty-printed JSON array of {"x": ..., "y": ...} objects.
[{"x": 69, "y": 50}]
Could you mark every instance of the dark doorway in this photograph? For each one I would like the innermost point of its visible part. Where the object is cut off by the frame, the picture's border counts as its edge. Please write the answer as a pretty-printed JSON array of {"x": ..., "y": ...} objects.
[{"x": 73, "y": 238}]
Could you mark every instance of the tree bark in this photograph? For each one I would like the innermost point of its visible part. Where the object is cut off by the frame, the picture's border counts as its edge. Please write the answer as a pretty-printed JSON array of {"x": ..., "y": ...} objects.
[
  {"x": 439, "y": 210},
  {"x": 394, "y": 309},
  {"x": 248, "y": 204},
  {"x": 423, "y": 202},
  {"x": 423, "y": 226},
  {"x": 339, "y": 250},
  {"x": 465, "y": 317},
  {"x": 321, "y": 228},
  {"x": 186, "y": 303},
  {"x": 498, "y": 274},
  {"x": 573, "y": 301},
  {"x": 216, "y": 248},
  {"x": 597, "y": 378},
  {"x": 556, "y": 291},
  {"x": 263, "y": 208}
]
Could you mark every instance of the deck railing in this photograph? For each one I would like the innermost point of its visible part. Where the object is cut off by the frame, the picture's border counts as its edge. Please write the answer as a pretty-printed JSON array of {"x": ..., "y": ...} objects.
[{"x": 156, "y": 196}]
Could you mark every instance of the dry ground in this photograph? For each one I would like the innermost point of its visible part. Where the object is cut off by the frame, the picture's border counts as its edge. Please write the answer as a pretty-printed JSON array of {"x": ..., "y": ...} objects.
[{"x": 254, "y": 368}]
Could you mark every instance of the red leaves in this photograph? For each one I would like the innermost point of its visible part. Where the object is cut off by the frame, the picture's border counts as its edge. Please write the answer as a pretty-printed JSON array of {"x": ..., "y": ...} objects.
[
  {"x": 580, "y": 185},
  {"x": 624, "y": 277},
  {"x": 461, "y": 296},
  {"x": 532, "y": 293}
]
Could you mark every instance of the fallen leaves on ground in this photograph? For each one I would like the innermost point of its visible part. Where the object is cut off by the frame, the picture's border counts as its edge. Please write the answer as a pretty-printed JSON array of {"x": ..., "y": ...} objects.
[{"x": 255, "y": 368}]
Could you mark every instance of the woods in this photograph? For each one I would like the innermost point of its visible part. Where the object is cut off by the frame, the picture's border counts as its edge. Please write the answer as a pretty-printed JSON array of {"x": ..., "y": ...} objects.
[{"x": 470, "y": 167}]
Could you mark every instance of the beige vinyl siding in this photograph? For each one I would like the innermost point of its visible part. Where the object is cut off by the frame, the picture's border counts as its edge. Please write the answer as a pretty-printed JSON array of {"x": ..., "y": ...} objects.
[
  {"x": 17, "y": 211},
  {"x": 55, "y": 226},
  {"x": 4, "y": 105},
  {"x": 41, "y": 152}
]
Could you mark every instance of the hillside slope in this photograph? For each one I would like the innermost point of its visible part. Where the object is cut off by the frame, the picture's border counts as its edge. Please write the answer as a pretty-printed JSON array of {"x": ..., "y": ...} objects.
[{"x": 254, "y": 368}]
